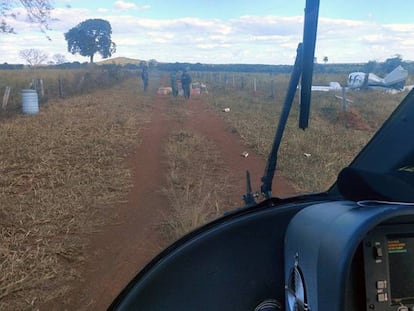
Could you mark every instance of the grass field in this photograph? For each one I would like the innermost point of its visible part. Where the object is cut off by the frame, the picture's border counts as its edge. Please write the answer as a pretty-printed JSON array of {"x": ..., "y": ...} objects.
[
  {"x": 52, "y": 84},
  {"x": 333, "y": 138},
  {"x": 60, "y": 175},
  {"x": 194, "y": 191}
]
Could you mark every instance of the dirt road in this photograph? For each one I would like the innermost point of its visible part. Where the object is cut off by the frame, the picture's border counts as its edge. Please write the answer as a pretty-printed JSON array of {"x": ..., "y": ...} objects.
[{"x": 121, "y": 250}]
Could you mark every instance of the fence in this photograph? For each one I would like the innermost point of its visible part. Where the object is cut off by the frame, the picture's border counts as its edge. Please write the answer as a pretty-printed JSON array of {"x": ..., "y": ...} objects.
[
  {"x": 54, "y": 83},
  {"x": 251, "y": 84}
]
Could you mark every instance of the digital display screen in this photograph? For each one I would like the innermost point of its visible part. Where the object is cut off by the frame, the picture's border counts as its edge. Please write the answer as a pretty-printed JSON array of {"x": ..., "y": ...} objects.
[{"x": 401, "y": 265}]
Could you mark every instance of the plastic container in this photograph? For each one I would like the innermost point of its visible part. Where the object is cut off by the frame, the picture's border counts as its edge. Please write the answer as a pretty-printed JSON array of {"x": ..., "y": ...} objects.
[{"x": 30, "y": 102}]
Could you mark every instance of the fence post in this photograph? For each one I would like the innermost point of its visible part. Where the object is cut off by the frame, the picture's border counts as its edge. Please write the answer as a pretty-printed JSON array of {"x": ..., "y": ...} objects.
[
  {"x": 272, "y": 88},
  {"x": 254, "y": 86},
  {"x": 42, "y": 90},
  {"x": 60, "y": 88},
  {"x": 343, "y": 99},
  {"x": 6, "y": 97}
]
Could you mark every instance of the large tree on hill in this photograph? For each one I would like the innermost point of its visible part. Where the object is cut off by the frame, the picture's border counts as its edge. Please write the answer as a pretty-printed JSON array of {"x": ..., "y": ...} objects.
[
  {"x": 38, "y": 12},
  {"x": 90, "y": 37}
]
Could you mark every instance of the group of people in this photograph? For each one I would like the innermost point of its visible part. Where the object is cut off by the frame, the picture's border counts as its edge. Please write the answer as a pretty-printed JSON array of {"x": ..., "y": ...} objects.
[{"x": 185, "y": 81}]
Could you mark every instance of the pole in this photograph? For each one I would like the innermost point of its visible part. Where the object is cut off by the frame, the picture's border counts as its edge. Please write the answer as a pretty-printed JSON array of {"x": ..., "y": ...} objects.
[
  {"x": 267, "y": 179},
  {"x": 254, "y": 86},
  {"x": 343, "y": 99},
  {"x": 6, "y": 97}
]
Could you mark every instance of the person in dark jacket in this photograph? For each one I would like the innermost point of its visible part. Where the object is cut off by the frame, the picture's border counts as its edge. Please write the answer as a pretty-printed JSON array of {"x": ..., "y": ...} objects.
[
  {"x": 186, "y": 83},
  {"x": 144, "y": 77},
  {"x": 173, "y": 81}
]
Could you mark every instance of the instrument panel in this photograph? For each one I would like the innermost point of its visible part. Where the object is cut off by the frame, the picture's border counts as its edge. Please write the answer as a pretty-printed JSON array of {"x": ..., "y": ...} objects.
[{"x": 389, "y": 268}]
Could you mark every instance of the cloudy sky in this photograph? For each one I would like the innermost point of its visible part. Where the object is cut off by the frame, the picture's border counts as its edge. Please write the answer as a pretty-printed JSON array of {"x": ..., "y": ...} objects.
[{"x": 226, "y": 31}]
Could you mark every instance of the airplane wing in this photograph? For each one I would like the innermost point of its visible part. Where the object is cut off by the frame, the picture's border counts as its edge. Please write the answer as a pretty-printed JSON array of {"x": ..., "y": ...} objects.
[
  {"x": 320, "y": 88},
  {"x": 333, "y": 86}
]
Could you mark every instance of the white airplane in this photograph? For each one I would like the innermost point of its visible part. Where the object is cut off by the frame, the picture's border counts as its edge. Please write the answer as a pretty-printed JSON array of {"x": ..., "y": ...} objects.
[{"x": 392, "y": 82}]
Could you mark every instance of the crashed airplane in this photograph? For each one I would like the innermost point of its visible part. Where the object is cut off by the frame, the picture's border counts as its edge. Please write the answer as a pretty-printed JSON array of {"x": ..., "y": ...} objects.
[{"x": 394, "y": 80}]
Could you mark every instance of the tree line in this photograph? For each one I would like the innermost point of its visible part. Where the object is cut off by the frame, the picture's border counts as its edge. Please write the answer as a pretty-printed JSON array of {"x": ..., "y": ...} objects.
[{"x": 379, "y": 68}]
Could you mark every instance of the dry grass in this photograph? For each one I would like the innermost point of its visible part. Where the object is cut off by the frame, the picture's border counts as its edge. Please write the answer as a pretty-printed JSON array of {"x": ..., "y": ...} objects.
[
  {"x": 331, "y": 139},
  {"x": 73, "y": 82},
  {"x": 195, "y": 179},
  {"x": 60, "y": 173}
]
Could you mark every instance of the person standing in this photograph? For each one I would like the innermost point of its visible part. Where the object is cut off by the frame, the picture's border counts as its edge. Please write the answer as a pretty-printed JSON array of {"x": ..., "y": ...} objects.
[
  {"x": 186, "y": 83},
  {"x": 144, "y": 77},
  {"x": 173, "y": 81}
]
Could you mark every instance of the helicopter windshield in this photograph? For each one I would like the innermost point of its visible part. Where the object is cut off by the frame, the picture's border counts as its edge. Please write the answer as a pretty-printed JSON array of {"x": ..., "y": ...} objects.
[{"x": 133, "y": 123}]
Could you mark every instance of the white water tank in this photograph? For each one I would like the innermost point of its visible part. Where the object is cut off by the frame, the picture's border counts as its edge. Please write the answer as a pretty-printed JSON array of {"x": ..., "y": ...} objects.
[{"x": 30, "y": 102}]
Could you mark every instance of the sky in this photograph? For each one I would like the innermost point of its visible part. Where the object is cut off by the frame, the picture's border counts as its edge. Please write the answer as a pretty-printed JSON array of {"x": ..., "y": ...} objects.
[{"x": 225, "y": 31}]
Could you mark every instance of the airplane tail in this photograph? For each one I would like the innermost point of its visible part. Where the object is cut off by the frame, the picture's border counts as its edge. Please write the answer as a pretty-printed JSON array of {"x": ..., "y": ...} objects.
[{"x": 396, "y": 78}]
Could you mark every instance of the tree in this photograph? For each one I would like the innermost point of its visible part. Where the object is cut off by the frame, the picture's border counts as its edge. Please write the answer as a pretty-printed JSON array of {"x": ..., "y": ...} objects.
[
  {"x": 38, "y": 12},
  {"x": 90, "y": 37},
  {"x": 371, "y": 66},
  {"x": 59, "y": 59},
  {"x": 33, "y": 57},
  {"x": 152, "y": 63},
  {"x": 325, "y": 59},
  {"x": 391, "y": 63}
]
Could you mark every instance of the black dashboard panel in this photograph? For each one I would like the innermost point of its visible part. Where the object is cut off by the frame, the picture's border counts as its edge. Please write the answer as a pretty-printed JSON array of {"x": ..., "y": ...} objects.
[{"x": 389, "y": 267}]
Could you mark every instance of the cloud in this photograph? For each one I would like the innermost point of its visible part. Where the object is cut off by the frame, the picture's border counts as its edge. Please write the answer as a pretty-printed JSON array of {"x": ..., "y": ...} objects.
[
  {"x": 269, "y": 39},
  {"x": 268, "y": 25},
  {"x": 246, "y": 39},
  {"x": 344, "y": 40},
  {"x": 125, "y": 6},
  {"x": 102, "y": 10}
]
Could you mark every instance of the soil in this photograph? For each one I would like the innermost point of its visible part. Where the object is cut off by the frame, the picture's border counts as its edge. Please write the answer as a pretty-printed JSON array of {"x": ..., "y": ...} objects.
[{"x": 116, "y": 254}]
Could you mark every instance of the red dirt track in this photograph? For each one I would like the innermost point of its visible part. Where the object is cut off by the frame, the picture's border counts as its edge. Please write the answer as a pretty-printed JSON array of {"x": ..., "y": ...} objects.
[{"x": 118, "y": 252}]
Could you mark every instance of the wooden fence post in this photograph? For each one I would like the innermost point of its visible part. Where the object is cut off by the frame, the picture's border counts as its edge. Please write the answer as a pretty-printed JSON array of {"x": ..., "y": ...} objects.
[
  {"x": 60, "y": 88},
  {"x": 343, "y": 99},
  {"x": 254, "y": 86},
  {"x": 6, "y": 97},
  {"x": 42, "y": 90},
  {"x": 272, "y": 88}
]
